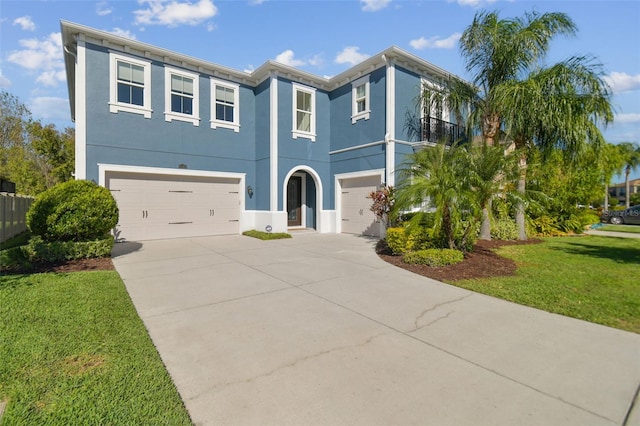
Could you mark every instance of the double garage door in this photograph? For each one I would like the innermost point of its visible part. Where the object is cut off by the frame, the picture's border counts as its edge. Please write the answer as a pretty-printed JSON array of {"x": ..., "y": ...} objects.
[
  {"x": 156, "y": 206},
  {"x": 356, "y": 214}
]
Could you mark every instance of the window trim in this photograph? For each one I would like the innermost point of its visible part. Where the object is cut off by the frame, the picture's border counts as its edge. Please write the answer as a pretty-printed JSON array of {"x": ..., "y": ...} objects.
[
  {"x": 170, "y": 115},
  {"x": 295, "y": 133},
  {"x": 362, "y": 115},
  {"x": 215, "y": 122},
  {"x": 114, "y": 105}
]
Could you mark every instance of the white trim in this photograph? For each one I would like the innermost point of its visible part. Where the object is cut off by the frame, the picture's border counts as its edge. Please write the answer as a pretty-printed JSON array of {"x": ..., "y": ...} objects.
[
  {"x": 362, "y": 115},
  {"x": 215, "y": 123},
  {"x": 338, "y": 189},
  {"x": 103, "y": 169},
  {"x": 273, "y": 143},
  {"x": 391, "y": 124},
  {"x": 81, "y": 110},
  {"x": 171, "y": 115},
  {"x": 295, "y": 133},
  {"x": 319, "y": 192},
  {"x": 114, "y": 105}
]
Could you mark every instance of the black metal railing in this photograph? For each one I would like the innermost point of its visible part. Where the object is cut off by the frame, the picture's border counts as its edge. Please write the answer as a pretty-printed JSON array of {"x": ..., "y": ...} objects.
[{"x": 435, "y": 130}]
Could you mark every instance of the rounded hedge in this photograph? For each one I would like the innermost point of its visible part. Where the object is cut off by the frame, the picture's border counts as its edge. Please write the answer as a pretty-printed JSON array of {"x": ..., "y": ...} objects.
[{"x": 76, "y": 210}]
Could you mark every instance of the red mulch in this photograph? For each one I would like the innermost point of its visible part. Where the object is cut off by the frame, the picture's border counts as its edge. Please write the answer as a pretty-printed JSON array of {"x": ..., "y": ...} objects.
[{"x": 482, "y": 262}]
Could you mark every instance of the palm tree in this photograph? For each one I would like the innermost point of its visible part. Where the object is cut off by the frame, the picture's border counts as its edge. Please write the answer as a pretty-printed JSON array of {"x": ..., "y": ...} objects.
[
  {"x": 535, "y": 107},
  {"x": 498, "y": 51},
  {"x": 440, "y": 175},
  {"x": 631, "y": 155},
  {"x": 555, "y": 107}
]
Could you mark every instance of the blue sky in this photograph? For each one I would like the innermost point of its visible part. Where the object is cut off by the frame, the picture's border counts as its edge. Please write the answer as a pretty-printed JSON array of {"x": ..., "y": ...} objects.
[{"x": 322, "y": 37}]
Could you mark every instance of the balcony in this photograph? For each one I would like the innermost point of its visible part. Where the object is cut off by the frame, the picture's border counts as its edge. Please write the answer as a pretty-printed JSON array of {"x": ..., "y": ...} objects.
[{"x": 435, "y": 130}]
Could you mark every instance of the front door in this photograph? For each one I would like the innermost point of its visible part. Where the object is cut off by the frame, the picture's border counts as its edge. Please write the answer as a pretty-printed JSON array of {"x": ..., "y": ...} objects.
[{"x": 294, "y": 201}]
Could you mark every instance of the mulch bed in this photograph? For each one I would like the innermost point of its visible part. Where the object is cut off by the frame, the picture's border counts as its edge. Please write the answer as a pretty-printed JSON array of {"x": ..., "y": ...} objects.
[
  {"x": 100, "y": 264},
  {"x": 482, "y": 262}
]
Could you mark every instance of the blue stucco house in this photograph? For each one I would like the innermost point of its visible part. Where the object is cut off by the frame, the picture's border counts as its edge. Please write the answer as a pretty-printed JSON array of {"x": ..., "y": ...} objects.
[{"x": 191, "y": 148}]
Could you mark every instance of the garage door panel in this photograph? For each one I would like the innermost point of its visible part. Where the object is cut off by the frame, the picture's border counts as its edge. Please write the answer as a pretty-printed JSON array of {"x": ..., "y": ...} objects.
[
  {"x": 356, "y": 214},
  {"x": 159, "y": 206}
]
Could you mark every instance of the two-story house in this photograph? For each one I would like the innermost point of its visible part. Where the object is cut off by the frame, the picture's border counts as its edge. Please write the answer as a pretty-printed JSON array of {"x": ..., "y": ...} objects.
[{"x": 191, "y": 148}]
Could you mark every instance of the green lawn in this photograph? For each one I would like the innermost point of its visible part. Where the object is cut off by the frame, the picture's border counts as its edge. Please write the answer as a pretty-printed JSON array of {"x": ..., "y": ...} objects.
[
  {"x": 621, "y": 228},
  {"x": 74, "y": 351},
  {"x": 593, "y": 278}
]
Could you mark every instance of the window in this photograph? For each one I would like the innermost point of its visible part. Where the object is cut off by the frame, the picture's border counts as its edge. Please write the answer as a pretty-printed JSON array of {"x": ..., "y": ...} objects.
[
  {"x": 130, "y": 80},
  {"x": 360, "y": 99},
  {"x": 181, "y": 96},
  {"x": 304, "y": 120},
  {"x": 225, "y": 105}
]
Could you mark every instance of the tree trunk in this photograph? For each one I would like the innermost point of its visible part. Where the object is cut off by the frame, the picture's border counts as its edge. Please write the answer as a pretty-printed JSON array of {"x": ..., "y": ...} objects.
[
  {"x": 485, "y": 226},
  {"x": 522, "y": 181},
  {"x": 490, "y": 128},
  {"x": 606, "y": 197},
  {"x": 626, "y": 184}
]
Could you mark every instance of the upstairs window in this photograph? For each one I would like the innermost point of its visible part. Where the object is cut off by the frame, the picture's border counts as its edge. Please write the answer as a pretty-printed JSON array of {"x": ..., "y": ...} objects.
[
  {"x": 181, "y": 96},
  {"x": 304, "y": 120},
  {"x": 225, "y": 105},
  {"x": 360, "y": 99},
  {"x": 130, "y": 80}
]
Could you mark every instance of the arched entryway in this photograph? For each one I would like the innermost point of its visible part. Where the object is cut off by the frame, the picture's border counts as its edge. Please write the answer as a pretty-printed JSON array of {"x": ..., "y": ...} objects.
[{"x": 302, "y": 198}]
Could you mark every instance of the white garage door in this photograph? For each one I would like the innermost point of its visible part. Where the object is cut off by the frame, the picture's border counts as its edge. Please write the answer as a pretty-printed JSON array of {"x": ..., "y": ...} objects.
[
  {"x": 162, "y": 206},
  {"x": 357, "y": 217}
]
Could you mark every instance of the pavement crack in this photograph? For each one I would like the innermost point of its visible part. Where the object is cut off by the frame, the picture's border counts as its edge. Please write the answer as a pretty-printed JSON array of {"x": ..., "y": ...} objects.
[
  {"x": 291, "y": 364},
  {"x": 422, "y": 314}
]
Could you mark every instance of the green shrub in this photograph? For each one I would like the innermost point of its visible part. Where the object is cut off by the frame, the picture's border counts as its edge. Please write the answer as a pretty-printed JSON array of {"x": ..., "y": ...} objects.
[
  {"x": 588, "y": 217},
  {"x": 57, "y": 251},
  {"x": 434, "y": 257},
  {"x": 404, "y": 239},
  {"x": 266, "y": 235},
  {"x": 545, "y": 226},
  {"x": 504, "y": 229},
  {"x": 396, "y": 240},
  {"x": 76, "y": 210},
  {"x": 15, "y": 258}
]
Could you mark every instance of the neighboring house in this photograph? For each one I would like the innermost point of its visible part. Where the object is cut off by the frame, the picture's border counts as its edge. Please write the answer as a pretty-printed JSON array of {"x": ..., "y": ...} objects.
[
  {"x": 619, "y": 190},
  {"x": 191, "y": 148}
]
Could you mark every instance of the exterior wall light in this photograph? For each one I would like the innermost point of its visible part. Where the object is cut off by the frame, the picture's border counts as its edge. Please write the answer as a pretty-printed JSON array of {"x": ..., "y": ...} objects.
[{"x": 250, "y": 191}]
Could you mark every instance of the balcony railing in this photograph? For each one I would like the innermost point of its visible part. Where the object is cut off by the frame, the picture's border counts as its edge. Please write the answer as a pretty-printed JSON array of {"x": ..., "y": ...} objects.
[{"x": 435, "y": 130}]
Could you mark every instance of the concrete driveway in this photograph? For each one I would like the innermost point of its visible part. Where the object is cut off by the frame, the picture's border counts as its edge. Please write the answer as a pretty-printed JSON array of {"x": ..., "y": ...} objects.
[{"x": 317, "y": 330}]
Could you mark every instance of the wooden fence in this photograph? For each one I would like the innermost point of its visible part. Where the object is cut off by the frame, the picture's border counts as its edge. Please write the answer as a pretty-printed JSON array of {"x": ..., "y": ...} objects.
[{"x": 13, "y": 214}]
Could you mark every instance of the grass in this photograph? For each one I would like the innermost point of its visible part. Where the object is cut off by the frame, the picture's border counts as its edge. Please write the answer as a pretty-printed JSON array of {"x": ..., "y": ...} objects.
[
  {"x": 74, "y": 351},
  {"x": 621, "y": 228},
  {"x": 591, "y": 278},
  {"x": 266, "y": 235}
]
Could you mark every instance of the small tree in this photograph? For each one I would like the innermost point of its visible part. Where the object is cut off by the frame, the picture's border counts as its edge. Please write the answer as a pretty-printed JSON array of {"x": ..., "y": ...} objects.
[{"x": 383, "y": 203}]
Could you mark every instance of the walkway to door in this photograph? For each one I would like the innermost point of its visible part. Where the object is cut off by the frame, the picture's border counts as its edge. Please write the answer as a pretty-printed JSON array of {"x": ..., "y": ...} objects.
[{"x": 318, "y": 330}]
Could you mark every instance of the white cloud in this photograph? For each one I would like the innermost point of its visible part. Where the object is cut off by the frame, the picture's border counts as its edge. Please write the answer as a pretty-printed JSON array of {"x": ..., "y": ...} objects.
[
  {"x": 123, "y": 33},
  {"x": 316, "y": 60},
  {"x": 435, "y": 42},
  {"x": 25, "y": 23},
  {"x": 472, "y": 3},
  {"x": 4, "y": 81},
  {"x": 350, "y": 55},
  {"x": 50, "y": 108},
  {"x": 211, "y": 27},
  {"x": 631, "y": 117},
  {"x": 103, "y": 9},
  {"x": 256, "y": 2},
  {"x": 288, "y": 58},
  {"x": 621, "y": 82},
  {"x": 51, "y": 77},
  {"x": 173, "y": 13},
  {"x": 249, "y": 69},
  {"x": 374, "y": 5},
  {"x": 42, "y": 56}
]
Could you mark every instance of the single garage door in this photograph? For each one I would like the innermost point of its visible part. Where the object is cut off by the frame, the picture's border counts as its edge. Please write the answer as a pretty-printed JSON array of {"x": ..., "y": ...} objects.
[
  {"x": 164, "y": 206},
  {"x": 357, "y": 217}
]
